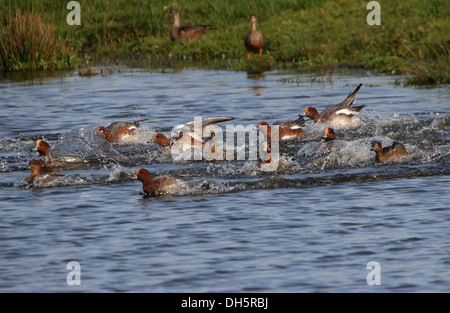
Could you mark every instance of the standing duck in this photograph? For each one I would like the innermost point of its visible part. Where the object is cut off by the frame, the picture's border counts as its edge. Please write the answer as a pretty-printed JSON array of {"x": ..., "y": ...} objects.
[
  {"x": 255, "y": 41},
  {"x": 185, "y": 32}
]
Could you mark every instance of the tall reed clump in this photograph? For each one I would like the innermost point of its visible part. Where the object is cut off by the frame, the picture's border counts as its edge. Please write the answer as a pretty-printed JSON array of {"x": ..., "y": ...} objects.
[{"x": 27, "y": 43}]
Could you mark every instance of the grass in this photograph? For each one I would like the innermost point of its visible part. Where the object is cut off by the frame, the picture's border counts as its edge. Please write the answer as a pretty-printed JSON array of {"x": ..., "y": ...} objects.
[
  {"x": 26, "y": 42},
  {"x": 318, "y": 36}
]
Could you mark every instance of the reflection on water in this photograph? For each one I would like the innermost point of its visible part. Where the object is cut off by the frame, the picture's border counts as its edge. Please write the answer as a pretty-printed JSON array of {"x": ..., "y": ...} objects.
[{"x": 312, "y": 225}]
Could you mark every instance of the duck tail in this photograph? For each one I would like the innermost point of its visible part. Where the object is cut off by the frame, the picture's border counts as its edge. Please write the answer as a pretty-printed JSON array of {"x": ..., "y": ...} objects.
[
  {"x": 139, "y": 121},
  {"x": 350, "y": 98},
  {"x": 300, "y": 120},
  {"x": 356, "y": 108}
]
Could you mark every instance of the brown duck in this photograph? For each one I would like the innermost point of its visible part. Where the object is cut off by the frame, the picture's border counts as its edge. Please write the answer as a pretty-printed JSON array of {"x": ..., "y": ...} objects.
[
  {"x": 42, "y": 147},
  {"x": 118, "y": 130},
  {"x": 327, "y": 141},
  {"x": 394, "y": 153},
  {"x": 255, "y": 41},
  {"x": 283, "y": 132},
  {"x": 152, "y": 185},
  {"x": 46, "y": 159},
  {"x": 185, "y": 32},
  {"x": 343, "y": 109},
  {"x": 37, "y": 172}
]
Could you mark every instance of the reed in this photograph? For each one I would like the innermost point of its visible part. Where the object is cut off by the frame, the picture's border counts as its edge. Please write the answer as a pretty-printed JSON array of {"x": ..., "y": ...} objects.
[{"x": 28, "y": 43}]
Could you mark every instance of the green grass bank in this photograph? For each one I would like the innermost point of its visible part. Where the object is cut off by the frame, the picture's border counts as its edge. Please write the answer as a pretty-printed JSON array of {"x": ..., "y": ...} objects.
[{"x": 413, "y": 38}]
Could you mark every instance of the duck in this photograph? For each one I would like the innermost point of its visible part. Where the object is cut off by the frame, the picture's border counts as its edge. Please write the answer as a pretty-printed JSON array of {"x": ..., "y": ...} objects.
[
  {"x": 339, "y": 115},
  {"x": 269, "y": 161},
  {"x": 394, "y": 153},
  {"x": 38, "y": 171},
  {"x": 328, "y": 141},
  {"x": 160, "y": 184},
  {"x": 46, "y": 159},
  {"x": 55, "y": 157},
  {"x": 284, "y": 133},
  {"x": 200, "y": 124},
  {"x": 255, "y": 41},
  {"x": 118, "y": 131},
  {"x": 42, "y": 147},
  {"x": 185, "y": 32},
  {"x": 213, "y": 142},
  {"x": 295, "y": 124},
  {"x": 185, "y": 136},
  {"x": 329, "y": 133},
  {"x": 184, "y": 139}
]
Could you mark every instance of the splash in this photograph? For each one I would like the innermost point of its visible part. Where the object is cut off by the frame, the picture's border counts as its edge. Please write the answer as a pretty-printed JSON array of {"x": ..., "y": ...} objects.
[{"x": 86, "y": 145}]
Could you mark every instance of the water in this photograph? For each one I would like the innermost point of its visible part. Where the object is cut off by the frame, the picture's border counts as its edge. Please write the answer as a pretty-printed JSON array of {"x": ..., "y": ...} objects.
[{"x": 311, "y": 226}]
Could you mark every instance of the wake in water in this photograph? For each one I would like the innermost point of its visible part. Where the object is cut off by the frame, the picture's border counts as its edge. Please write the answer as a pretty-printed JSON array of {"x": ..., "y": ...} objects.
[{"x": 309, "y": 159}]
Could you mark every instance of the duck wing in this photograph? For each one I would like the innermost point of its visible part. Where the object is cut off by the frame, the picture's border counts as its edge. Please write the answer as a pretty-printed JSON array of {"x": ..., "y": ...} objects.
[
  {"x": 129, "y": 125},
  {"x": 344, "y": 104},
  {"x": 201, "y": 124}
]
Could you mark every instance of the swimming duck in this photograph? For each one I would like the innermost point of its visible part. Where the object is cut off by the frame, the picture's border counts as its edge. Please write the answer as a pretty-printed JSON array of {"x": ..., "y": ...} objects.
[
  {"x": 185, "y": 136},
  {"x": 255, "y": 41},
  {"x": 201, "y": 124},
  {"x": 328, "y": 141},
  {"x": 342, "y": 113},
  {"x": 37, "y": 173},
  {"x": 185, "y": 32},
  {"x": 269, "y": 161},
  {"x": 284, "y": 133},
  {"x": 118, "y": 131},
  {"x": 46, "y": 159},
  {"x": 298, "y": 123},
  {"x": 52, "y": 157},
  {"x": 185, "y": 140},
  {"x": 158, "y": 184},
  {"x": 42, "y": 147},
  {"x": 394, "y": 153},
  {"x": 329, "y": 133}
]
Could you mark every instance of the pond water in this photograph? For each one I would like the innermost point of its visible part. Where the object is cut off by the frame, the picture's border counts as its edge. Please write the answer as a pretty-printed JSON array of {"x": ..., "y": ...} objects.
[{"x": 312, "y": 225}]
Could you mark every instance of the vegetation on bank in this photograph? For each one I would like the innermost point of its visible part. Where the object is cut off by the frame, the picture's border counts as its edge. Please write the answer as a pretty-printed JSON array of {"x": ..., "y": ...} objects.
[{"x": 304, "y": 35}]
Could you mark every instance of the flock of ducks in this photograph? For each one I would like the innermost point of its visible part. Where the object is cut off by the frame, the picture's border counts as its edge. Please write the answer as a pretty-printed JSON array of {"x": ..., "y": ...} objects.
[
  {"x": 254, "y": 42},
  {"x": 184, "y": 137}
]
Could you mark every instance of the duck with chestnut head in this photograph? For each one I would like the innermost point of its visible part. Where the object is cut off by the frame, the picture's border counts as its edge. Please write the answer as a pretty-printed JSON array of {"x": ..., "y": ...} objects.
[
  {"x": 394, "y": 153},
  {"x": 341, "y": 115}
]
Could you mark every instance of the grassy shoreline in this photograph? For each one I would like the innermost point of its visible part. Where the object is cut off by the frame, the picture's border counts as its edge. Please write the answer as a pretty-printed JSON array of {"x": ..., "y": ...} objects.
[{"x": 305, "y": 35}]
